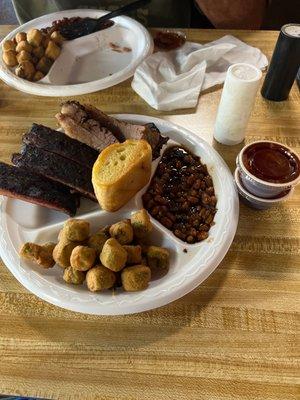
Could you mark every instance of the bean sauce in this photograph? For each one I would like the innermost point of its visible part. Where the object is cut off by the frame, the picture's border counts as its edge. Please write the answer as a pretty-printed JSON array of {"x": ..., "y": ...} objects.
[
  {"x": 271, "y": 162},
  {"x": 181, "y": 195}
]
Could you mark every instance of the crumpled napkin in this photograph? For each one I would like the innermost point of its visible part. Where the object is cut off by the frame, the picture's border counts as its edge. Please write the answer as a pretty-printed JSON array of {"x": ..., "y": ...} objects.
[{"x": 174, "y": 79}]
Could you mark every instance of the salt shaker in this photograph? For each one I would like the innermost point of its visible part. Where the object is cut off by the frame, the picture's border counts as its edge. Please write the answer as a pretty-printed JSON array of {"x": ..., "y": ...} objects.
[{"x": 237, "y": 100}]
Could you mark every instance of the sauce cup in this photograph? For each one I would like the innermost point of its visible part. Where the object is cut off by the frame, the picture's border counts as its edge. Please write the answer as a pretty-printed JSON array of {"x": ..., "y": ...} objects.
[
  {"x": 266, "y": 188},
  {"x": 257, "y": 202}
]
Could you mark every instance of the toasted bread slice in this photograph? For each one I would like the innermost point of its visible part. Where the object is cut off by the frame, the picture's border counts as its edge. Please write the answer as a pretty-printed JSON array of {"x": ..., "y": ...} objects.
[{"x": 121, "y": 170}]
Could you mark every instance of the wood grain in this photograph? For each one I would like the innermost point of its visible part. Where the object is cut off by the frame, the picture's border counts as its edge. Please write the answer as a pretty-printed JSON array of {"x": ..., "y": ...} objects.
[{"x": 234, "y": 337}]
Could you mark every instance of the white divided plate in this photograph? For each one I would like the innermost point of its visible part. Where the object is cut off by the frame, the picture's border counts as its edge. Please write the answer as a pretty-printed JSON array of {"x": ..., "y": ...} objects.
[
  {"x": 86, "y": 64},
  {"x": 22, "y": 222}
]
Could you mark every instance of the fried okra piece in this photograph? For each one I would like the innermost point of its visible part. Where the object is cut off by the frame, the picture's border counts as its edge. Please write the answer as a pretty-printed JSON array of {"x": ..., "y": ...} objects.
[
  {"x": 23, "y": 56},
  {"x": 134, "y": 254},
  {"x": 34, "y": 37},
  {"x": 158, "y": 258},
  {"x": 20, "y": 37},
  {"x": 76, "y": 230},
  {"x": 9, "y": 58},
  {"x": 73, "y": 276},
  {"x": 23, "y": 45},
  {"x": 38, "y": 52},
  {"x": 62, "y": 252},
  {"x": 97, "y": 241},
  {"x": 8, "y": 45},
  {"x": 113, "y": 256},
  {"x": 136, "y": 278},
  {"x": 100, "y": 278},
  {"x": 122, "y": 231},
  {"x": 25, "y": 70},
  {"x": 83, "y": 258},
  {"x": 52, "y": 50},
  {"x": 38, "y": 76},
  {"x": 42, "y": 255},
  {"x": 141, "y": 224},
  {"x": 57, "y": 37},
  {"x": 44, "y": 65}
]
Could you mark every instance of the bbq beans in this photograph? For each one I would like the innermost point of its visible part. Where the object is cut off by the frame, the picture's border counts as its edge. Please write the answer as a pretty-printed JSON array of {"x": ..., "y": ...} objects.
[{"x": 181, "y": 195}]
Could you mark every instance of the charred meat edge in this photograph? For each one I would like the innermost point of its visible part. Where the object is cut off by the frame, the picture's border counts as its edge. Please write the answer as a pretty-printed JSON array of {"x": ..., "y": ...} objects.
[
  {"x": 57, "y": 168},
  {"x": 59, "y": 143},
  {"x": 18, "y": 183}
]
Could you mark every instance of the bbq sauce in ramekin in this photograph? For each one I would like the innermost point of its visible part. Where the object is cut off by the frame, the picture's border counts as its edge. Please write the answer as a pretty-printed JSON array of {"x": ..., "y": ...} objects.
[{"x": 271, "y": 162}]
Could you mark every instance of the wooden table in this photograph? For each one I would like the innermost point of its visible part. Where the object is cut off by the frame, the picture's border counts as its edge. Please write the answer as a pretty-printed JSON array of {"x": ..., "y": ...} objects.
[{"x": 235, "y": 337}]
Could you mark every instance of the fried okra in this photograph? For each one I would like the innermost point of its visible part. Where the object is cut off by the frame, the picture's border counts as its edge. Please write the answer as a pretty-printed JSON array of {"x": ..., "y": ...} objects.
[
  {"x": 82, "y": 258},
  {"x": 23, "y": 56},
  {"x": 38, "y": 52},
  {"x": 23, "y": 45},
  {"x": 135, "y": 278},
  {"x": 141, "y": 224},
  {"x": 25, "y": 70},
  {"x": 52, "y": 50},
  {"x": 62, "y": 252},
  {"x": 42, "y": 255},
  {"x": 34, "y": 37},
  {"x": 122, "y": 231},
  {"x": 97, "y": 241},
  {"x": 134, "y": 254},
  {"x": 158, "y": 258},
  {"x": 9, "y": 45},
  {"x": 9, "y": 58},
  {"x": 38, "y": 76},
  {"x": 113, "y": 256},
  {"x": 76, "y": 230},
  {"x": 100, "y": 278},
  {"x": 44, "y": 65},
  {"x": 20, "y": 37},
  {"x": 73, "y": 276},
  {"x": 57, "y": 37}
]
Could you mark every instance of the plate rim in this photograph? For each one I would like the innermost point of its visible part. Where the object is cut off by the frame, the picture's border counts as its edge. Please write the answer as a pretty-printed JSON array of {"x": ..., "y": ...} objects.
[{"x": 124, "y": 309}]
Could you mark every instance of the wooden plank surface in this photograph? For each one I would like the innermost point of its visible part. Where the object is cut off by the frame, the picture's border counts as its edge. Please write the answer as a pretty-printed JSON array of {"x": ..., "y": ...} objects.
[{"x": 234, "y": 337}]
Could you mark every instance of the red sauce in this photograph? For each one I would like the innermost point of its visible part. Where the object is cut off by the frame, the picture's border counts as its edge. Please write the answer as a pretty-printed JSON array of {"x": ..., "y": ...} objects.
[
  {"x": 271, "y": 162},
  {"x": 169, "y": 40}
]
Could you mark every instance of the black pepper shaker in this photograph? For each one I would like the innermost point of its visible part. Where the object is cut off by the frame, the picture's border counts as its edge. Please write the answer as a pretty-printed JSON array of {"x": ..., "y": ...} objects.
[{"x": 284, "y": 64}]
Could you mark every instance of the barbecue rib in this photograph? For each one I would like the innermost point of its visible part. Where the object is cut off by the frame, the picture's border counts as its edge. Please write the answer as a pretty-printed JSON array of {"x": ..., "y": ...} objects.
[
  {"x": 90, "y": 125},
  {"x": 59, "y": 143},
  {"x": 18, "y": 183},
  {"x": 56, "y": 167}
]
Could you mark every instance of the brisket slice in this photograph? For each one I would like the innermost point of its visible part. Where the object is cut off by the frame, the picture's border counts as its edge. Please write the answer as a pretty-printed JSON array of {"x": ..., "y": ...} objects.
[
  {"x": 127, "y": 130},
  {"x": 56, "y": 167},
  {"x": 78, "y": 125},
  {"x": 59, "y": 143},
  {"x": 85, "y": 123},
  {"x": 18, "y": 183}
]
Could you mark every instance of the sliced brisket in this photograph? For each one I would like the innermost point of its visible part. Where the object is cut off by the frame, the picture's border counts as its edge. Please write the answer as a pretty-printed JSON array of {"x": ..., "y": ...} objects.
[
  {"x": 95, "y": 128},
  {"x": 59, "y": 143},
  {"x": 77, "y": 124},
  {"x": 126, "y": 130},
  {"x": 56, "y": 167},
  {"x": 18, "y": 183}
]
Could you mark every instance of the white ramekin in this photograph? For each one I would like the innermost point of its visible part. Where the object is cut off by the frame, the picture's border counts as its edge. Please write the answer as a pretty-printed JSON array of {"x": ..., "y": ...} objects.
[
  {"x": 254, "y": 201},
  {"x": 259, "y": 187}
]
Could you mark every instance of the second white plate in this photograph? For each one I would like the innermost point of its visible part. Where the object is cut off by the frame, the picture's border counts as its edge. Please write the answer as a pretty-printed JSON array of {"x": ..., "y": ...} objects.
[{"x": 89, "y": 63}]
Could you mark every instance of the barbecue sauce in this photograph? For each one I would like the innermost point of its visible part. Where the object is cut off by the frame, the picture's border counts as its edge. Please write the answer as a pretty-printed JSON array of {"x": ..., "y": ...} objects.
[
  {"x": 271, "y": 162},
  {"x": 169, "y": 40}
]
